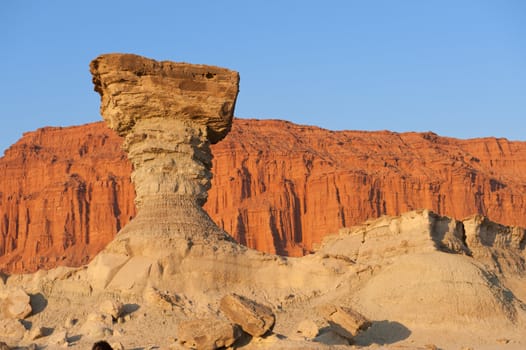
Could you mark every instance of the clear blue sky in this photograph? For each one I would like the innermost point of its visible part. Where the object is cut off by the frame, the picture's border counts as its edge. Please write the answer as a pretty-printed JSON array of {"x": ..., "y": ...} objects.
[{"x": 454, "y": 67}]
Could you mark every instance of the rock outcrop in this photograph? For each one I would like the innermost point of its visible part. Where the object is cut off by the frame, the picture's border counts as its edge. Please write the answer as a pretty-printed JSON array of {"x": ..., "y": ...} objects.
[
  {"x": 64, "y": 193},
  {"x": 276, "y": 186},
  {"x": 168, "y": 114},
  {"x": 344, "y": 321},
  {"x": 254, "y": 318},
  {"x": 407, "y": 277},
  {"x": 207, "y": 334}
]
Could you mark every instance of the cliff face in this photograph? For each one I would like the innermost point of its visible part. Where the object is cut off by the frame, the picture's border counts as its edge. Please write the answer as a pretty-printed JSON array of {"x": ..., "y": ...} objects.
[
  {"x": 277, "y": 186},
  {"x": 280, "y": 187},
  {"x": 64, "y": 193}
]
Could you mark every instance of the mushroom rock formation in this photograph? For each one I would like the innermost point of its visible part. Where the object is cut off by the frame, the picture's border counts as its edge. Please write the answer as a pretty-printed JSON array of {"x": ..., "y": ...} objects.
[
  {"x": 169, "y": 114},
  {"x": 172, "y": 257}
]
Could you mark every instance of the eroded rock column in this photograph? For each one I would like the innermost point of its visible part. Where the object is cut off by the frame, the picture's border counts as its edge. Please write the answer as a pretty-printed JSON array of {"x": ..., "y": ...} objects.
[{"x": 169, "y": 114}]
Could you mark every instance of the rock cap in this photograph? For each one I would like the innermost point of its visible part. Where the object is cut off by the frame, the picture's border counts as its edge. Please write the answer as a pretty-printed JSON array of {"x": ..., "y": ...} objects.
[{"x": 133, "y": 87}]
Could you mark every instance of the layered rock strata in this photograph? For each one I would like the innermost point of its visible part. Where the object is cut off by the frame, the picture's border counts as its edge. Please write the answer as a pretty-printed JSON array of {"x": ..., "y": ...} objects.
[
  {"x": 276, "y": 186},
  {"x": 168, "y": 114}
]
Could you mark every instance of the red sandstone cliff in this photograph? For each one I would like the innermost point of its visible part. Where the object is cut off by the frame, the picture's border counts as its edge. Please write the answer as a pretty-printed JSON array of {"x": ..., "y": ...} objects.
[
  {"x": 277, "y": 186},
  {"x": 64, "y": 193}
]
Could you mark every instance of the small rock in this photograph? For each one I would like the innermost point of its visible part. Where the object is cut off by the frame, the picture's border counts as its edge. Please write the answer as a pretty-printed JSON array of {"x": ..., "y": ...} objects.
[
  {"x": 503, "y": 341},
  {"x": 266, "y": 341},
  {"x": 254, "y": 318},
  {"x": 112, "y": 307},
  {"x": 16, "y": 304},
  {"x": 117, "y": 346},
  {"x": 154, "y": 297},
  {"x": 58, "y": 338},
  {"x": 13, "y": 329},
  {"x": 97, "y": 325},
  {"x": 70, "y": 322},
  {"x": 431, "y": 346},
  {"x": 308, "y": 329},
  {"x": 35, "y": 333},
  {"x": 344, "y": 321},
  {"x": 207, "y": 334}
]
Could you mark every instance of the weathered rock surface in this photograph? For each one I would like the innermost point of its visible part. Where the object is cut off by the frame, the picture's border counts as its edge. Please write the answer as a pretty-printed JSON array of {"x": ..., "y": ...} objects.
[
  {"x": 15, "y": 304},
  {"x": 277, "y": 187},
  {"x": 11, "y": 329},
  {"x": 60, "y": 205},
  {"x": 254, "y": 318},
  {"x": 113, "y": 308},
  {"x": 169, "y": 114},
  {"x": 344, "y": 321},
  {"x": 97, "y": 326},
  {"x": 308, "y": 329},
  {"x": 207, "y": 334},
  {"x": 134, "y": 88},
  {"x": 396, "y": 271}
]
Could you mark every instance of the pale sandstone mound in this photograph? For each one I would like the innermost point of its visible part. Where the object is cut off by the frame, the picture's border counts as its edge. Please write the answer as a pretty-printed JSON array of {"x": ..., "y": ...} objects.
[
  {"x": 412, "y": 276},
  {"x": 422, "y": 269}
]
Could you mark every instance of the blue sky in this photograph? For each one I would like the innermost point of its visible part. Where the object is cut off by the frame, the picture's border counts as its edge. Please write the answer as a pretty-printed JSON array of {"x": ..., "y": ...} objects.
[{"x": 457, "y": 68}]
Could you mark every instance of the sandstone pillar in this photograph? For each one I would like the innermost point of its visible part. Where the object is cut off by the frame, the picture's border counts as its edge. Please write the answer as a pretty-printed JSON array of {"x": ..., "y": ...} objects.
[{"x": 169, "y": 114}]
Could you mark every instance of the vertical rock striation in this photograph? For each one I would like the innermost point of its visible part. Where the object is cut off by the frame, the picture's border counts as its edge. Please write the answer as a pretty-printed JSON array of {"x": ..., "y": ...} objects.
[
  {"x": 277, "y": 186},
  {"x": 64, "y": 194},
  {"x": 169, "y": 114}
]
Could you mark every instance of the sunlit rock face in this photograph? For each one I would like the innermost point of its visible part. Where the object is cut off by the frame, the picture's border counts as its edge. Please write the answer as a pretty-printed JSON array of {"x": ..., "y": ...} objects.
[{"x": 169, "y": 114}]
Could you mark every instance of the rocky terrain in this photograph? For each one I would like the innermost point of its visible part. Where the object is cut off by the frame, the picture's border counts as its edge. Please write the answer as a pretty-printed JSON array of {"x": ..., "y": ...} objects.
[
  {"x": 415, "y": 281},
  {"x": 173, "y": 279},
  {"x": 276, "y": 186}
]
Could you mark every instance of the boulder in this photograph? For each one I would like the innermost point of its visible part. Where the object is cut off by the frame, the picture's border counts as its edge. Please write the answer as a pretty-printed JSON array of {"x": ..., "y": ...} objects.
[
  {"x": 207, "y": 334},
  {"x": 117, "y": 346},
  {"x": 97, "y": 325},
  {"x": 254, "y": 318},
  {"x": 15, "y": 304},
  {"x": 113, "y": 308},
  {"x": 35, "y": 333},
  {"x": 154, "y": 297},
  {"x": 58, "y": 338},
  {"x": 12, "y": 329},
  {"x": 308, "y": 329},
  {"x": 344, "y": 321}
]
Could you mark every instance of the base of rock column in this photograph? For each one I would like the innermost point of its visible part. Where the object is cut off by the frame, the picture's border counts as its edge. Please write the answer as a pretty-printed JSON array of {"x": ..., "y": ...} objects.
[{"x": 168, "y": 225}]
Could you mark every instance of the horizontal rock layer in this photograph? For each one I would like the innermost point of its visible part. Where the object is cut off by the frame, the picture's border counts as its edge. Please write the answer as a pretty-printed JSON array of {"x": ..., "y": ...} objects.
[{"x": 277, "y": 187}]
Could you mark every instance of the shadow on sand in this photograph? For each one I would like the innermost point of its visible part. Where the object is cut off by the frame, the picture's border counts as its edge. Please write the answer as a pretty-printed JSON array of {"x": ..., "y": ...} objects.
[{"x": 382, "y": 333}]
